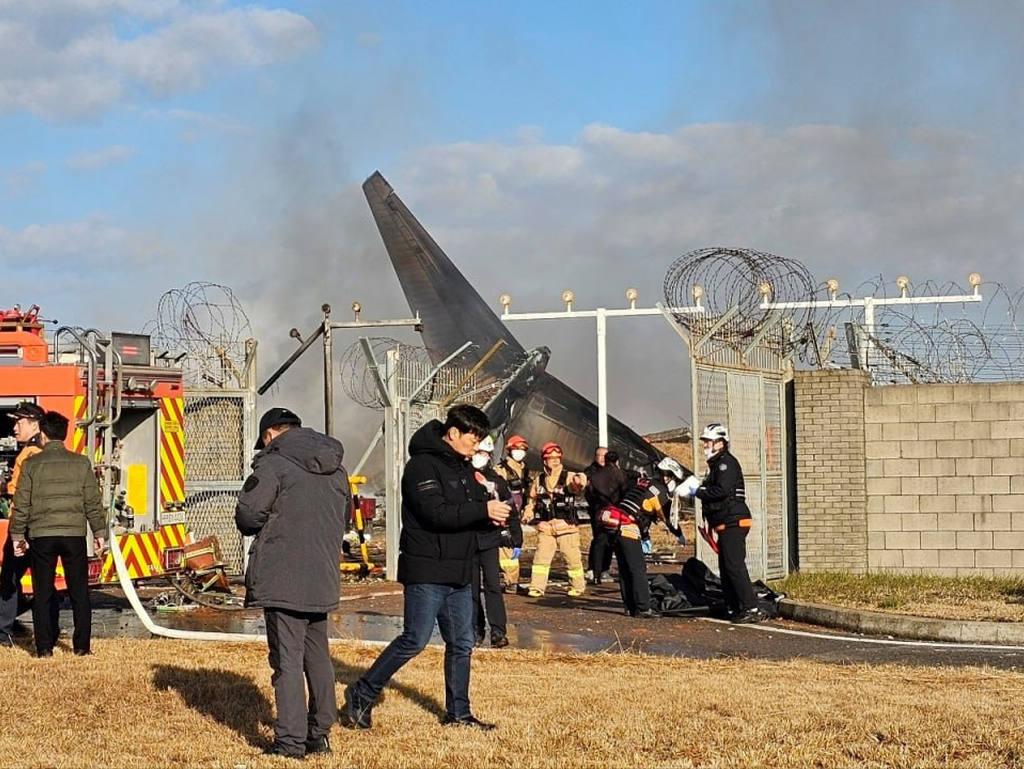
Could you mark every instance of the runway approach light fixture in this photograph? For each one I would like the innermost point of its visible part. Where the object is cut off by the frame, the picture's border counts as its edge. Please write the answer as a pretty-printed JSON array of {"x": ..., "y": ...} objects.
[
  {"x": 631, "y": 296},
  {"x": 903, "y": 283},
  {"x": 568, "y": 297},
  {"x": 765, "y": 290},
  {"x": 832, "y": 285},
  {"x": 974, "y": 279},
  {"x": 698, "y": 294},
  {"x": 356, "y": 309},
  {"x": 506, "y": 301}
]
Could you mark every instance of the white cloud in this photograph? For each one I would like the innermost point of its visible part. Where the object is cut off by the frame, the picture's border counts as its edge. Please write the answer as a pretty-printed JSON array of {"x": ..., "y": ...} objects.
[
  {"x": 19, "y": 180},
  {"x": 70, "y": 59},
  {"x": 99, "y": 159},
  {"x": 77, "y": 247}
]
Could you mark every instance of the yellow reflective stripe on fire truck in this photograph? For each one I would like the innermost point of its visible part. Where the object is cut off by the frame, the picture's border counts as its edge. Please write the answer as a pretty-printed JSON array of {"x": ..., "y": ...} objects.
[
  {"x": 172, "y": 451},
  {"x": 80, "y": 447},
  {"x": 143, "y": 553}
]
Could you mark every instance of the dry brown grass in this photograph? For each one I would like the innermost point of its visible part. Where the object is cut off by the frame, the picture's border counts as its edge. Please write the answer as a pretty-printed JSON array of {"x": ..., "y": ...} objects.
[
  {"x": 167, "y": 703},
  {"x": 959, "y": 598}
]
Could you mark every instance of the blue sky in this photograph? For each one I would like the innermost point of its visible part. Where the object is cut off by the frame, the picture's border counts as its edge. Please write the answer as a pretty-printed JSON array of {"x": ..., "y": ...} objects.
[{"x": 149, "y": 143}]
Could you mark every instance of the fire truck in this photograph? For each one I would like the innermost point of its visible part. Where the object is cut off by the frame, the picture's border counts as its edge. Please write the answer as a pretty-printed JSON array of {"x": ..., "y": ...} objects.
[{"x": 126, "y": 405}]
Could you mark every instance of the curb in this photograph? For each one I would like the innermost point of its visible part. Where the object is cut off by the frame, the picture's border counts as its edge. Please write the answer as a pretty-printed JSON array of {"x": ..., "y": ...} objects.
[{"x": 903, "y": 625}]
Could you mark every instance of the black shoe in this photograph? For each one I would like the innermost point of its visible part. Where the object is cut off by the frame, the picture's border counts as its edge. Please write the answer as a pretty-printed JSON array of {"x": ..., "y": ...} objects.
[
  {"x": 318, "y": 745},
  {"x": 356, "y": 714},
  {"x": 276, "y": 749},
  {"x": 499, "y": 642},
  {"x": 646, "y": 614},
  {"x": 82, "y": 652},
  {"x": 473, "y": 721},
  {"x": 749, "y": 617},
  {"x": 480, "y": 639},
  {"x": 44, "y": 652}
]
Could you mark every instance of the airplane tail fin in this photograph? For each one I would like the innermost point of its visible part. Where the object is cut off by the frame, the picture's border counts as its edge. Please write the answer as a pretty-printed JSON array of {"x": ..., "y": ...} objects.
[{"x": 450, "y": 308}]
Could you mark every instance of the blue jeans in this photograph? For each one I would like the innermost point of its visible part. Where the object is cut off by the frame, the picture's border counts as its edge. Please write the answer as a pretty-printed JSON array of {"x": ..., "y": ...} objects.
[{"x": 452, "y": 609}]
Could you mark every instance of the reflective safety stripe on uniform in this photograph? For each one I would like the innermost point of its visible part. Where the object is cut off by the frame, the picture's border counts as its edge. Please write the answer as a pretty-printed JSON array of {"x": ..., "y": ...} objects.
[{"x": 743, "y": 523}]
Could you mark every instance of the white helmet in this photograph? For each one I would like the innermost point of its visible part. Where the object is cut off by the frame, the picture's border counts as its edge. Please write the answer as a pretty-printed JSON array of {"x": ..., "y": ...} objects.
[
  {"x": 670, "y": 466},
  {"x": 715, "y": 432},
  {"x": 486, "y": 445}
]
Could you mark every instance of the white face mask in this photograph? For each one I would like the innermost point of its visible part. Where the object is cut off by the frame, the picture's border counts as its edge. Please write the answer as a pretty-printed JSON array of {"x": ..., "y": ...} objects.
[
  {"x": 517, "y": 454},
  {"x": 480, "y": 461},
  {"x": 709, "y": 452},
  {"x": 671, "y": 486}
]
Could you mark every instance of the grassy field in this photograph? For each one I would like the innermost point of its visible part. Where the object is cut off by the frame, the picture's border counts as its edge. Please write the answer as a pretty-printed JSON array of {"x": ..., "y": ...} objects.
[
  {"x": 167, "y": 703},
  {"x": 963, "y": 598}
]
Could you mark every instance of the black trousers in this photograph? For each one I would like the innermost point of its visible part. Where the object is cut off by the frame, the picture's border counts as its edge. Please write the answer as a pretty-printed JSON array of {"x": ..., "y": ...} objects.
[
  {"x": 732, "y": 567},
  {"x": 298, "y": 650},
  {"x": 599, "y": 556},
  {"x": 636, "y": 592},
  {"x": 487, "y": 574},
  {"x": 43, "y": 552}
]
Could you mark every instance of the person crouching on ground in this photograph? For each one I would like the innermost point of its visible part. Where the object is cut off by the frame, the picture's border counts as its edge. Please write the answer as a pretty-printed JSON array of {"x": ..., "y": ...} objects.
[
  {"x": 57, "y": 496},
  {"x": 443, "y": 508},
  {"x": 295, "y": 505},
  {"x": 489, "y": 538},
  {"x": 552, "y": 505}
]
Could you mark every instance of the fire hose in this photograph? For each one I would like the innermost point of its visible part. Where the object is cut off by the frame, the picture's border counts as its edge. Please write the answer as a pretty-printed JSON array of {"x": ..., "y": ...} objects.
[{"x": 125, "y": 580}]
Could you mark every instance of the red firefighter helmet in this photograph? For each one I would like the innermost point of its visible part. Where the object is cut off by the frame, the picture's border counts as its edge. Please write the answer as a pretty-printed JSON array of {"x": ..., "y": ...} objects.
[
  {"x": 550, "y": 449},
  {"x": 516, "y": 442}
]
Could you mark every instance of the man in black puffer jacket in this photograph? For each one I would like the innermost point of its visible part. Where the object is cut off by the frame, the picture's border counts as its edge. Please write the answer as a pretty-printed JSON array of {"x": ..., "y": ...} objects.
[
  {"x": 296, "y": 504},
  {"x": 443, "y": 508}
]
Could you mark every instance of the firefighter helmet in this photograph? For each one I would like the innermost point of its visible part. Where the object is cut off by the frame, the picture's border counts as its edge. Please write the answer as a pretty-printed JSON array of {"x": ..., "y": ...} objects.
[
  {"x": 715, "y": 432},
  {"x": 516, "y": 442},
  {"x": 670, "y": 467},
  {"x": 550, "y": 449}
]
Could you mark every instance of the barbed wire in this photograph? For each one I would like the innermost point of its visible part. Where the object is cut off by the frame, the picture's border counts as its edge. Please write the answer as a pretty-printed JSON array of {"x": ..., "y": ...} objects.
[
  {"x": 926, "y": 342},
  {"x": 207, "y": 323}
]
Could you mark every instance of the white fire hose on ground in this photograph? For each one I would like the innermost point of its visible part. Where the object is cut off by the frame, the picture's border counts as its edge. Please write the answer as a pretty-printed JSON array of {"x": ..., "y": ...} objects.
[{"x": 128, "y": 587}]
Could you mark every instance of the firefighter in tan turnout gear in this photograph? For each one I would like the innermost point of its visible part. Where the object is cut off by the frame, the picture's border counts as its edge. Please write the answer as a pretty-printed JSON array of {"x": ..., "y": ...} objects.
[
  {"x": 551, "y": 507},
  {"x": 513, "y": 469}
]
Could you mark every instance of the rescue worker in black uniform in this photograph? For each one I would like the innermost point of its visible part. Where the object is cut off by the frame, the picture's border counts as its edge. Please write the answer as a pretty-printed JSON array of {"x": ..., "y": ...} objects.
[
  {"x": 629, "y": 523},
  {"x": 724, "y": 504},
  {"x": 489, "y": 538}
]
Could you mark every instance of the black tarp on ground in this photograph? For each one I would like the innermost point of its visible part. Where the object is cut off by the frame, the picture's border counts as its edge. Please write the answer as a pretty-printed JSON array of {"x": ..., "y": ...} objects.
[{"x": 697, "y": 591}]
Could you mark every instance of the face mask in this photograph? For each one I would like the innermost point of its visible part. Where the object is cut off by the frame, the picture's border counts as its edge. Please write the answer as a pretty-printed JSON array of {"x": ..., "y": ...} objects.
[
  {"x": 480, "y": 461},
  {"x": 708, "y": 453},
  {"x": 518, "y": 455},
  {"x": 671, "y": 486}
]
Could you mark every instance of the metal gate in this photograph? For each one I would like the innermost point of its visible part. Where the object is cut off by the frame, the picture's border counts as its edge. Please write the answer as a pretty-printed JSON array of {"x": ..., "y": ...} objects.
[
  {"x": 407, "y": 409},
  {"x": 739, "y": 380},
  {"x": 219, "y": 435},
  {"x": 751, "y": 405}
]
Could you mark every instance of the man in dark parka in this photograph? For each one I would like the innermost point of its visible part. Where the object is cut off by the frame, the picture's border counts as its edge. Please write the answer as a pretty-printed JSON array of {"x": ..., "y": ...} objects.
[{"x": 295, "y": 505}]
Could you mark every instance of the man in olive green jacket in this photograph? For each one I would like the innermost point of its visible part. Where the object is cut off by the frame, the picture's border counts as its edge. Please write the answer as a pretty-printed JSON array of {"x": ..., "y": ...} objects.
[{"x": 56, "y": 496}]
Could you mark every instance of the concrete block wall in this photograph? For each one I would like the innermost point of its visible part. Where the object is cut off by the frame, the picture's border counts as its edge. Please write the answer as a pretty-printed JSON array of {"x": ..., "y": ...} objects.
[
  {"x": 831, "y": 465},
  {"x": 945, "y": 478}
]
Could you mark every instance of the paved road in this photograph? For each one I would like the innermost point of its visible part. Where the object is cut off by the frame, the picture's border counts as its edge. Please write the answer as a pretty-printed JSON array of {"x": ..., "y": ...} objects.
[{"x": 559, "y": 624}]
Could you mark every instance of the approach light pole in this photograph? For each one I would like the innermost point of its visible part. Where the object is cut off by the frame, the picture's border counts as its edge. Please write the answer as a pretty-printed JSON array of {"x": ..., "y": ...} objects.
[
  {"x": 601, "y": 315},
  {"x": 324, "y": 330},
  {"x": 869, "y": 303}
]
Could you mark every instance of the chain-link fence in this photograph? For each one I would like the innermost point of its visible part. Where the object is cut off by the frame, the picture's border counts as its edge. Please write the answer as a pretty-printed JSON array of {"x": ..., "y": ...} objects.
[{"x": 219, "y": 435}]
